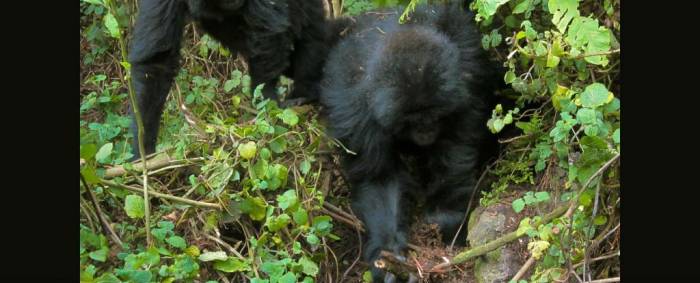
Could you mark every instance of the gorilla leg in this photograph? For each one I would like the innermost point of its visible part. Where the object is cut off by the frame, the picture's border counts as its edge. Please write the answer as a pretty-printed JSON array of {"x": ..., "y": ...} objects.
[
  {"x": 154, "y": 57},
  {"x": 453, "y": 183},
  {"x": 382, "y": 206}
]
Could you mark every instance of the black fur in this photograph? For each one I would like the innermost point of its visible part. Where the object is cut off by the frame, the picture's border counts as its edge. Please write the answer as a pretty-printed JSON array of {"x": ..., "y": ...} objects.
[
  {"x": 281, "y": 37},
  {"x": 412, "y": 101}
]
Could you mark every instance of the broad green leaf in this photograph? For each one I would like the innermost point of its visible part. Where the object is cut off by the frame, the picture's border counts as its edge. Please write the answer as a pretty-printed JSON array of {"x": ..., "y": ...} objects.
[
  {"x": 289, "y": 277},
  {"x": 300, "y": 216},
  {"x": 96, "y": 2},
  {"x": 104, "y": 152},
  {"x": 177, "y": 241},
  {"x": 99, "y": 255},
  {"x": 247, "y": 150},
  {"x": 594, "y": 95},
  {"x": 542, "y": 196},
  {"x": 616, "y": 136},
  {"x": 518, "y": 205},
  {"x": 134, "y": 206},
  {"x": 312, "y": 239},
  {"x": 586, "y": 116},
  {"x": 255, "y": 207},
  {"x": 510, "y": 76},
  {"x": 488, "y": 8},
  {"x": 563, "y": 11},
  {"x": 308, "y": 266},
  {"x": 289, "y": 117},
  {"x": 287, "y": 200},
  {"x": 88, "y": 151},
  {"x": 600, "y": 220},
  {"x": 521, "y": 7},
  {"x": 232, "y": 264},
  {"x": 305, "y": 166},
  {"x": 279, "y": 222},
  {"x": 112, "y": 25},
  {"x": 278, "y": 145}
]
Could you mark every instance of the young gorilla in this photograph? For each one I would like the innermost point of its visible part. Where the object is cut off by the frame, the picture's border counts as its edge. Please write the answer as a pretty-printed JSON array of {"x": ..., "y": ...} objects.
[
  {"x": 411, "y": 101},
  {"x": 282, "y": 37}
]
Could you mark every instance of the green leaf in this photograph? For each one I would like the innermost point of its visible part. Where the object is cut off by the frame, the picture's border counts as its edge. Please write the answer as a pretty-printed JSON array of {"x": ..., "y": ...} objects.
[
  {"x": 278, "y": 222},
  {"x": 488, "y": 8},
  {"x": 289, "y": 277},
  {"x": 134, "y": 206},
  {"x": 112, "y": 25},
  {"x": 600, "y": 220},
  {"x": 305, "y": 166},
  {"x": 177, "y": 241},
  {"x": 308, "y": 266},
  {"x": 322, "y": 224},
  {"x": 367, "y": 277},
  {"x": 552, "y": 60},
  {"x": 518, "y": 205},
  {"x": 542, "y": 196},
  {"x": 495, "y": 38},
  {"x": 586, "y": 116},
  {"x": 300, "y": 216},
  {"x": 498, "y": 125},
  {"x": 563, "y": 11},
  {"x": 312, "y": 239},
  {"x": 278, "y": 145},
  {"x": 104, "y": 153},
  {"x": 96, "y": 2},
  {"x": 616, "y": 136},
  {"x": 289, "y": 117},
  {"x": 521, "y": 7},
  {"x": 88, "y": 151},
  {"x": 230, "y": 84},
  {"x": 247, "y": 150},
  {"x": 510, "y": 77},
  {"x": 99, "y": 255},
  {"x": 90, "y": 175},
  {"x": 594, "y": 95},
  {"x": 288, "y": 200},
  {"x": 209, "y": 256},
  {"x": 232, "y": 264},
  {"x": 255, "y": 207}
]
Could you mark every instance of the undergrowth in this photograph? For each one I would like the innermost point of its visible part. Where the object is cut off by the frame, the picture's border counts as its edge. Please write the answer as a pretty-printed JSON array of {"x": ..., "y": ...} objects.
[{"x": 240, "y": 187}]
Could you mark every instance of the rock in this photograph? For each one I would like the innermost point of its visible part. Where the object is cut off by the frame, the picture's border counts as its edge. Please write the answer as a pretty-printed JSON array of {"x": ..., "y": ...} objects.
[{"x": 486, "y": 224}]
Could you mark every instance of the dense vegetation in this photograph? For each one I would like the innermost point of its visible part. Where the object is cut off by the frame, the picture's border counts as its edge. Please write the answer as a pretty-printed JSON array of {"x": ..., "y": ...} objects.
[{"x": 244, "y": 191}]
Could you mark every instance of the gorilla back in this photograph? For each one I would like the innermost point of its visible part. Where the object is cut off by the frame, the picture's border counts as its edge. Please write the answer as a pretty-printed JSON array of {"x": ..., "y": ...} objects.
[
  {"x": 282, "y": 37},
  {"x": 410, "y": 100}
]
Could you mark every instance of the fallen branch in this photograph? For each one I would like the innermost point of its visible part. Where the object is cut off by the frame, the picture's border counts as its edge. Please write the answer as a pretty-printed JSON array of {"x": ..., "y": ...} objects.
[
  {"x": 390, "y": 263},
  {"x": 496, "y": 243},
  {"x": 163, "y": 196},
  {"x": 106, "y": 227},
  {"x": 606, "y": 280},
  {"x": 157, "y": 162},
  {"x": 530, "y": 261}
]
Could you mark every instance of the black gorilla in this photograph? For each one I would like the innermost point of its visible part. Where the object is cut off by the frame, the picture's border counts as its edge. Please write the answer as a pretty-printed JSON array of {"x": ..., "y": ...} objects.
[
  {"x": 281, "y": 37},
  {"x": 412, "y": 101}
]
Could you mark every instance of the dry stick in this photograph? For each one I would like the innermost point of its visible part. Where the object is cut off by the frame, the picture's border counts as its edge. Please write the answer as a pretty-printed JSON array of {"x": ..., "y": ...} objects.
[
  {"x": 617, "y": 253},
  {"x": 106, "y": 227},
  {"x": 158, "y": 162},
  {"x": 606, "y": 280},
  {"x": 496, "y": 243},
  {"x": 139, "y": 123},
  {"x": 164, "y": 196},
  {"x": 226, "y": 245},
  {"x": 530, "y": 261},
  {"x": 389, "y": 262}
]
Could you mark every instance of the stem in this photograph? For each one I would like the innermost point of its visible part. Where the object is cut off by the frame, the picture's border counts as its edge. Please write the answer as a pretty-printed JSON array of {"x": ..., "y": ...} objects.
[
  {"x": 498, "y": 242},
  {"x": 139, "y": 124},
  {"x": 164, "y": 196}
]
